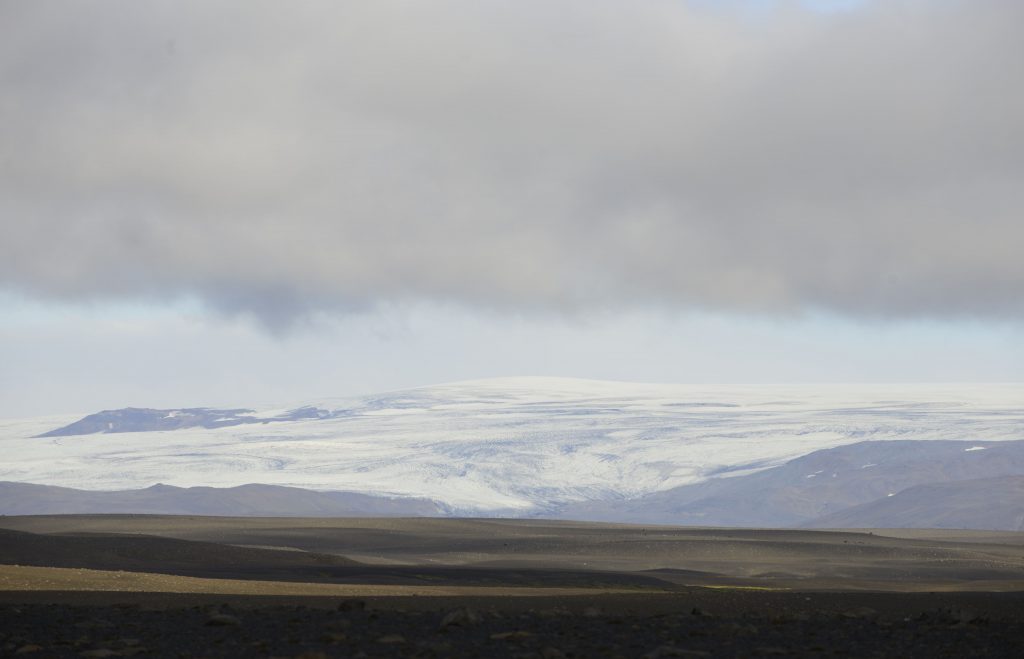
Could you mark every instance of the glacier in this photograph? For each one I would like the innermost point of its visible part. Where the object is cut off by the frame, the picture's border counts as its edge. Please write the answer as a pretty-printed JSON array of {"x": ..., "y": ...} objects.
[{"x": 514, "y": 446}]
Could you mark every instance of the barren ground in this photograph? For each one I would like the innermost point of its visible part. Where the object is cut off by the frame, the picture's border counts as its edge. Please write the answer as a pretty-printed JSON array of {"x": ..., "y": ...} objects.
[{"x": 124, "y": 585}]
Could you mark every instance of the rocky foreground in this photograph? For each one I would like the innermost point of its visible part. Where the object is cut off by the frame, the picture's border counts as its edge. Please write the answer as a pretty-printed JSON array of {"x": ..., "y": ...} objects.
[{"x": 353, "y": 629}]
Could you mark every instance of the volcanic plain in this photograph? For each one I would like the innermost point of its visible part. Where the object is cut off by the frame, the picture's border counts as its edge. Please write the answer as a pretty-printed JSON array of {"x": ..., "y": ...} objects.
[{"x": 120, "y": 585}]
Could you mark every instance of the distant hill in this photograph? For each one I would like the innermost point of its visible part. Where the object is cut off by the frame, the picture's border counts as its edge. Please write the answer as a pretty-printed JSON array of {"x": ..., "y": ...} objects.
[
  {"x": 989, "y": 503},
  {"x": 819, "y": 484},
  {"x": 245, "y": 500},
  {"x": 136, "y": 552}
]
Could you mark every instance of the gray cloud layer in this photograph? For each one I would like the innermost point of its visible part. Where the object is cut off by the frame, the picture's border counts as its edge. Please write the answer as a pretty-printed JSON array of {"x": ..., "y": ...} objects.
[{"x": 279, "y": 158}]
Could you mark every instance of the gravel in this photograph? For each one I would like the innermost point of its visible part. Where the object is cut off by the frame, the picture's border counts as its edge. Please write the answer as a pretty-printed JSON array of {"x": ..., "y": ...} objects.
[{"x": 352, "y": 629}]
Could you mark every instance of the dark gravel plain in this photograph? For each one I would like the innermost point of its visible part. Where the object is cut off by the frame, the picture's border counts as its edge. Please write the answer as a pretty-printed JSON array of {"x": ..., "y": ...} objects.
[
  {"x": 758, "y": 624},
  {"x": 499, "y": 588}
]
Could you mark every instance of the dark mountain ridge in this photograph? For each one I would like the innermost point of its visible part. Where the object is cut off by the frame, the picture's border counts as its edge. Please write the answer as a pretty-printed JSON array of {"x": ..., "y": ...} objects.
[
  {"x": 987, "y": 503},
  {"x": 253, "y": 500},
  {"x": 817, "y": 485},
  {"x": 140, "y": 419}
]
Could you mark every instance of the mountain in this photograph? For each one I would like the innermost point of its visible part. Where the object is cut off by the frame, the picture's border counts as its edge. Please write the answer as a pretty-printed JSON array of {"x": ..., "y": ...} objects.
[
  {"x": 245, "y": 500},
  {"x": 987, "y": 503},
  {"x": 134, "y": 419},
  {"x": 549, "y": 446},
  {"x": 817, "y": 485}
]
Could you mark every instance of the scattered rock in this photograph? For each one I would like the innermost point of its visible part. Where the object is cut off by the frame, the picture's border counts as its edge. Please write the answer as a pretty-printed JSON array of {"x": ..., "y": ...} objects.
[
  {"x": 443, "y": 648},
  {"x": 28, "y": 648},
  {"x": 461, "y": 617},
  {"x": 511, "y": 636},
  {"x": 333, "y": 637},
  {"x": 223, "y": 620},
  {"x": 860, "y": 612},
  {"x": 553, "y": 613},
  {"x": 672, "y": 651},
  {"x": 963, "y": 617},
  {"x": 738, "y": 629},
  {"x": 352, "y": 605}
]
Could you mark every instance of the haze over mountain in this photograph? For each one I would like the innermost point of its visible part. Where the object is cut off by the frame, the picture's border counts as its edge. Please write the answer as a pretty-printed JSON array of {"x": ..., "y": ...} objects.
[{"x": 709, "y": 455}]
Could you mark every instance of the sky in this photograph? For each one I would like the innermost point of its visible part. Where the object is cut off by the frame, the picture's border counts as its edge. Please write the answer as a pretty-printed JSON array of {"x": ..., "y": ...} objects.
[{"x": 232, "y": 203}]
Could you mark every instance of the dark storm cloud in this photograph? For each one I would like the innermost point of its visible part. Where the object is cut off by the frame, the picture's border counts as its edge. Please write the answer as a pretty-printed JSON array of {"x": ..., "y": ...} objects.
[{"x": 278, "y": 158}]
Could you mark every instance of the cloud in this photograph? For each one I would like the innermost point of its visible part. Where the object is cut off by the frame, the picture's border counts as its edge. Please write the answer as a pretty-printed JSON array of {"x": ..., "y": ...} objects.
[{"x": 280, "y": 160}]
